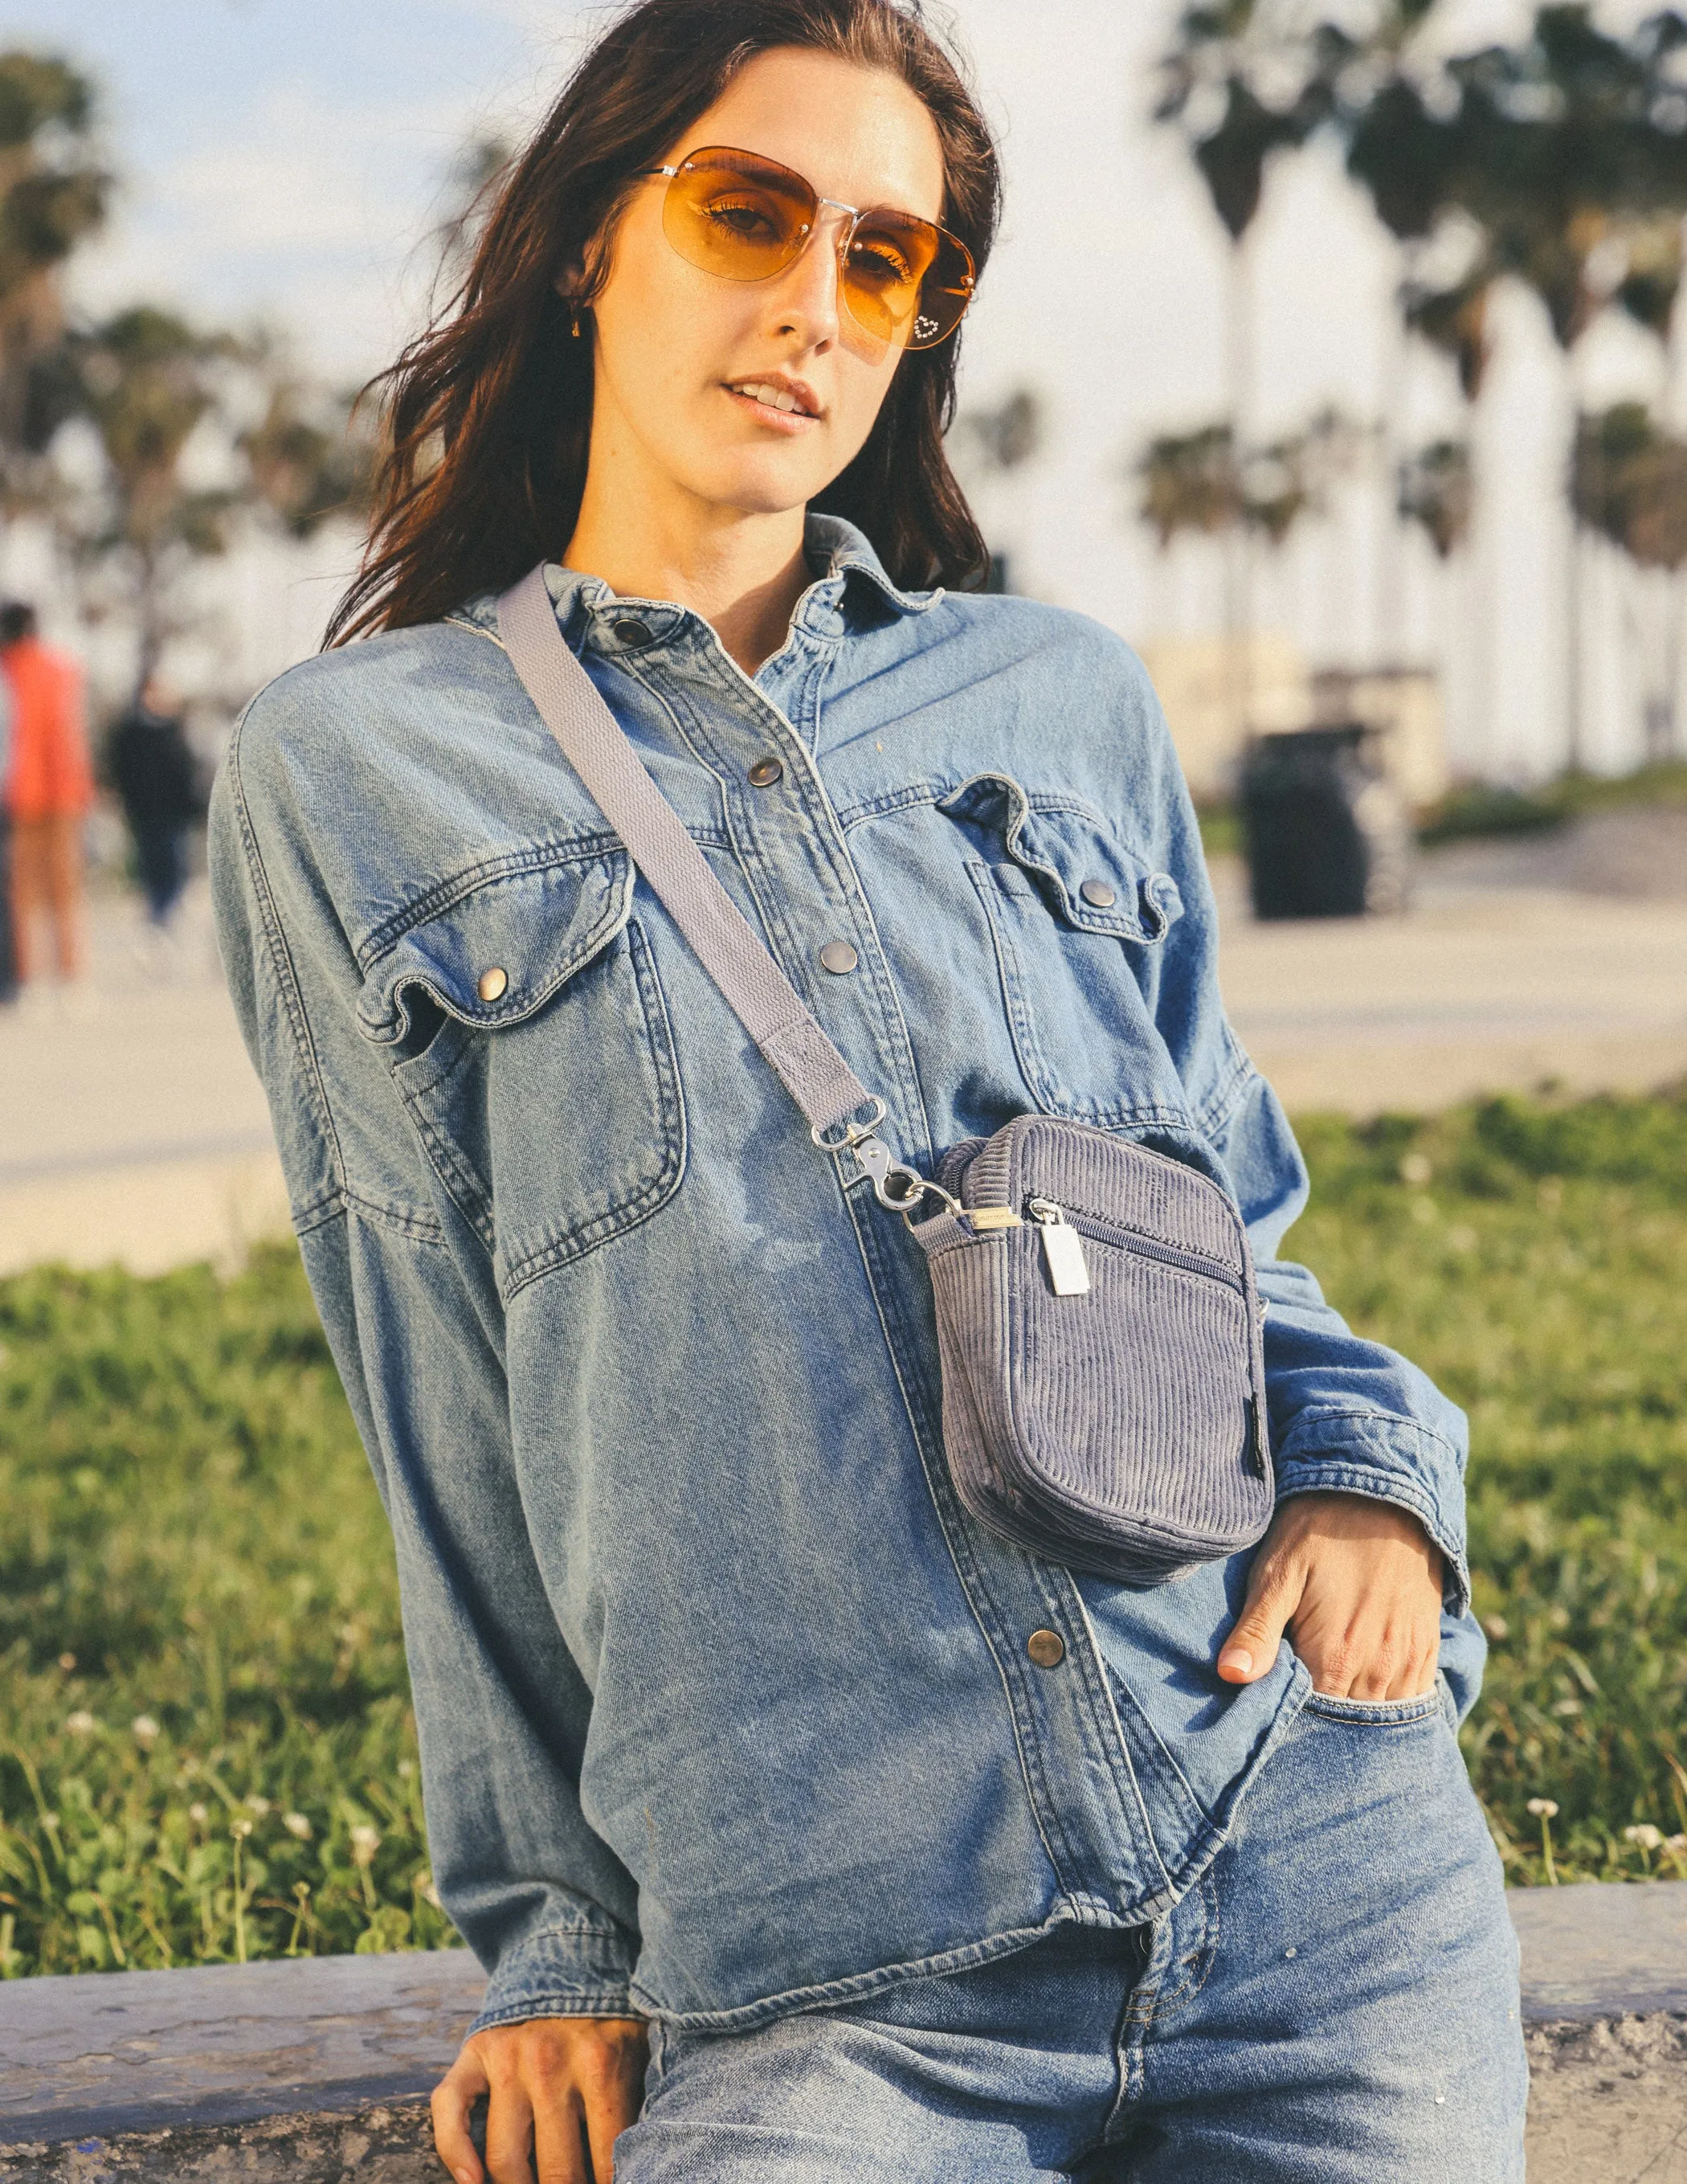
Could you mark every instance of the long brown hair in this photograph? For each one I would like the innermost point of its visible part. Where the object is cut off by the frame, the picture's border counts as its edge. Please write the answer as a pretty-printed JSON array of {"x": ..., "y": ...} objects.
[{"x": 488, "y": 413}]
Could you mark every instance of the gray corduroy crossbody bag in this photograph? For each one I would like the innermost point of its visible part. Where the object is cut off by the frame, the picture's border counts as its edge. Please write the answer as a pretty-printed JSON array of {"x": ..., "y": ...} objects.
[{"x": 1103, "y": 1372}]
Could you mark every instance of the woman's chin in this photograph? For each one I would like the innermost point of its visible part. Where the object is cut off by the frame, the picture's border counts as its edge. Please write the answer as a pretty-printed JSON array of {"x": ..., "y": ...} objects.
[{"x": 759, "y": 484}]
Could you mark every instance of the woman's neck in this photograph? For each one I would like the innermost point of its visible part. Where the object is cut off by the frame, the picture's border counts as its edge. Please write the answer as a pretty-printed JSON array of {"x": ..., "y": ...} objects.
[{"x": 744, "y": 573}]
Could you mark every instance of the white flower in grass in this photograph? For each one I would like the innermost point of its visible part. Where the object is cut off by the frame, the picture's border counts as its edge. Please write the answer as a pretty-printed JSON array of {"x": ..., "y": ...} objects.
[
  {"x": 258, "y": 1805},
  {"x": 1496, "y": 1627},
  {"x": 198, "y": 1814},
  {"x": 1415, "y": 1169},
  {"x": 1544, "y": 1808},
  {"x": 297, "y": 1824},
  {"x": 1645, "y": 1834},
  {"x": 82, "y": 1722},
  {"x": 425, "y": 1888},
  {"x": 145, "y": 1731},
  {"x": 240, "y": 1829},
  {"x": 1676, "y": 1843},
  {"x": 365, "y": 1842}
]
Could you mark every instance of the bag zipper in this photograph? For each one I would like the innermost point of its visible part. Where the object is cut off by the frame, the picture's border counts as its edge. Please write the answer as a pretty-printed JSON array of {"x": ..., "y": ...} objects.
[{"x": 1061, "y": 1232}]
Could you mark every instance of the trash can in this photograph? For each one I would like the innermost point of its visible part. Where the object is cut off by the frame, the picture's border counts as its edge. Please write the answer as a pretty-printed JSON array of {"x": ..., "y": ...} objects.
[{"x": 1328, "y": 833}]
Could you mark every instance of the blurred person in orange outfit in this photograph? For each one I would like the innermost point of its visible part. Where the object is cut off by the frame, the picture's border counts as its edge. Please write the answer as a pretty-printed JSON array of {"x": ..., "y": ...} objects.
[{"x": 49, "y": 789}]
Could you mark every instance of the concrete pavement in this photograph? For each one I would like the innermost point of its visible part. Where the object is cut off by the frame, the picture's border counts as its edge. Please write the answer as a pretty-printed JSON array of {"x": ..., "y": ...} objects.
[{"x": 132, "y": 1128}]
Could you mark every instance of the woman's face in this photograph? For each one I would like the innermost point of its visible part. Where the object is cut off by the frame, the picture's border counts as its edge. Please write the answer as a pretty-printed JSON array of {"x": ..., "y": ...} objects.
[{"x": 676, "y": 347}]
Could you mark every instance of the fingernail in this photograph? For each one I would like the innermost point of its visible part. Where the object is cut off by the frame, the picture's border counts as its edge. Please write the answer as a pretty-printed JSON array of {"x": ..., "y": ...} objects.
[
  {"x": 1241, "y": 1661},
  {"x": 464, "y": 2175}
]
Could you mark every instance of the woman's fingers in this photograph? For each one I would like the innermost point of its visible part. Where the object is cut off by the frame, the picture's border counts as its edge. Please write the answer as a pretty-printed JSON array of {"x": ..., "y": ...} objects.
[
  {"x": 612, "y": 2090},
  {"x": 509, "y": 2133},
  {"x": 1357, "y": 1583},
  {"x": 559, "y": 2140},
  {"x": 453, "y": 2097},
  {"x": 555, "y": 2084},
  {"x": 1275, "y": 1584}
]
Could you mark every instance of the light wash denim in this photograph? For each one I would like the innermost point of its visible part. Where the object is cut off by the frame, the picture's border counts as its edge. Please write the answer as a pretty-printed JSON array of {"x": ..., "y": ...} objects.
[
  {"x": 1334, "y": 2002},
  {"x": 725, "y": 1705}
]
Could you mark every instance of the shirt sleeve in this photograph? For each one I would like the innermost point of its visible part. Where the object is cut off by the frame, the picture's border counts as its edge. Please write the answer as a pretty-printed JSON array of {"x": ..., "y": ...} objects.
[
  {"x": 501, "y": 1705},
  {"x": 1347, "y": 1416}
]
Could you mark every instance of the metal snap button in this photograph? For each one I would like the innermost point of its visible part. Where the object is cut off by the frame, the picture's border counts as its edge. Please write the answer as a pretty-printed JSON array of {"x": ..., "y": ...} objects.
[
  {"x": 765, "y": 772},
  {"x": 1098, "y": 894},
  {"x": 838, "y": 956},
  {"x": 631, "y": 631},
  {"x": 1047, "y": 1648},
  {"x": 492, "y": 984}
]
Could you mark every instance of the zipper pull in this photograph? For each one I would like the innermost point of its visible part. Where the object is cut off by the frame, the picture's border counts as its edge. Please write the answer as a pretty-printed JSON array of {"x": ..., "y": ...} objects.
[{"x": 1062, "y": 1249}]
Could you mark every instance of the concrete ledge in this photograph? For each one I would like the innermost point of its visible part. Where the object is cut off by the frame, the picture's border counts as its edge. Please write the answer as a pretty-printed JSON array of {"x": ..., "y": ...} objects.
[
  {"x": 1599, "y": 1950},
  {"x": 118, "y": 2051},
  {"x": 317, "y": 2071}
]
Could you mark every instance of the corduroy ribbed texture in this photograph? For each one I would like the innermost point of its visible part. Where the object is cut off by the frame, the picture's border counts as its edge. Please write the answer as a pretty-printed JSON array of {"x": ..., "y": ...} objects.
[{"x": 1123, "y": 1431}]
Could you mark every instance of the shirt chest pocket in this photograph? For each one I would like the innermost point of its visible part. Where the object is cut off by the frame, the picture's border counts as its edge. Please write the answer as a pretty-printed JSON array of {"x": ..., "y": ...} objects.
[
  {"x": 1076, "y": 921},
  {"x": 530, "y": 1042}
]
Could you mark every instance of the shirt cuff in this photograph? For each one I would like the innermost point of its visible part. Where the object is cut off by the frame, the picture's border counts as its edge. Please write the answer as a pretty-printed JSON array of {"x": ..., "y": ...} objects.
[
  {"x": 566, "y": 1971},
  {"x": 1386, "y": 1459}
]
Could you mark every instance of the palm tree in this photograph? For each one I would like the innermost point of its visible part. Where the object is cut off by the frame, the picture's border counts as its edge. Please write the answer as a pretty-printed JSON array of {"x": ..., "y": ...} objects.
[
  {"x": 1628, "y": 485},
  {"x": 1200, "y": 484},
  {"x": 1215, "y": 81},
  {"x": 53, "y": 195},
  {"x": 1568, "y": 151},
  {"x": 144, "y": 380},
  {"x": 313, "y": 453},
  {"x": 1574, "y": 166},
  {"x": 1001, "y": 442}
]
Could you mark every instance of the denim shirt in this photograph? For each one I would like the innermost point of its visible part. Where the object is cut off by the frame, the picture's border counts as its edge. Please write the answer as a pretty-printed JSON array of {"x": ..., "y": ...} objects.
[{"x": 724, "y": 1704}]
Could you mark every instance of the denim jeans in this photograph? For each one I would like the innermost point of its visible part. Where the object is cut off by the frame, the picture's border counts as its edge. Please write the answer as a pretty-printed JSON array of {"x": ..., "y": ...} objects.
[{"x": 1334, "y": 2002}]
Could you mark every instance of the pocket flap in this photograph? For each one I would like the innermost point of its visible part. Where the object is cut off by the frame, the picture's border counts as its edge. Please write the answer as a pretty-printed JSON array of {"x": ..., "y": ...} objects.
[
  {"x": 1069, "y": 848},
  {"x": 499, "y": 946}
]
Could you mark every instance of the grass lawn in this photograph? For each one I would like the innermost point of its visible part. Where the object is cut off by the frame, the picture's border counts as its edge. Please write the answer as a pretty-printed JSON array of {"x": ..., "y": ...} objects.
[{"x": 206, "y": 1751}]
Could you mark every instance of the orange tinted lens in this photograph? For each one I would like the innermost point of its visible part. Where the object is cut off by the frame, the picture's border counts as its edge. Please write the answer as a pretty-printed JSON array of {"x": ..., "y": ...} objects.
[
  {"x": 741, "y": 218},
  {"x": 905, "y": 280}
]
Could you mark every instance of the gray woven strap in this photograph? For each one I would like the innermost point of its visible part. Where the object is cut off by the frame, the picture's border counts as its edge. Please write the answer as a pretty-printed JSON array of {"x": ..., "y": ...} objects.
[{"x": 764, "y": 1000}]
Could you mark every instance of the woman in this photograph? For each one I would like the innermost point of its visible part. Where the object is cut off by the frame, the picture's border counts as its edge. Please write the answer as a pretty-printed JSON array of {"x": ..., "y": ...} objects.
[{"x": 903, "y": 1853}]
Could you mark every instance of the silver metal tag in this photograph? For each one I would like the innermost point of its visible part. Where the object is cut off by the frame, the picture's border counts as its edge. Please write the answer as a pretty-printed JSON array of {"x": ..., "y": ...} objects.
[{"x": 1063, "y": 1254}]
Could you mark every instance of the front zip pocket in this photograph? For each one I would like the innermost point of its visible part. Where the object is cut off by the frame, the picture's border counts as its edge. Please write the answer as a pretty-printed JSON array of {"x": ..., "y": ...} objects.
[
  {"x": 1061, "y": 1229},
  {"x": 1062, "y": 1248}
]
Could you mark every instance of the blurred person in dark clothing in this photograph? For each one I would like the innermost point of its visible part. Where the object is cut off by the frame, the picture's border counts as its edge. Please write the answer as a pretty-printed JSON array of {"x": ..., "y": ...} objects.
[{"x": 152, "y": 769}]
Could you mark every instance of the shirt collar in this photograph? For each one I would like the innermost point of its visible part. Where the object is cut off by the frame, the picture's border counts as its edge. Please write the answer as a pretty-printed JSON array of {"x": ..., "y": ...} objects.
[{"x": 835, "y": 548}]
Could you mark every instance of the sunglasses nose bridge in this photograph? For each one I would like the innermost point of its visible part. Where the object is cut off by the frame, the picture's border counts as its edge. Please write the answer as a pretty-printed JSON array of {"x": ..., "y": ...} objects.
[{"x": 848, "y": 220}]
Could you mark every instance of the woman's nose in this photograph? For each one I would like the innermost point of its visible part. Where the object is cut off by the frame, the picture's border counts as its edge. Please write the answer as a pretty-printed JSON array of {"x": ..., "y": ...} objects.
[{"x": 808, "y": 301}]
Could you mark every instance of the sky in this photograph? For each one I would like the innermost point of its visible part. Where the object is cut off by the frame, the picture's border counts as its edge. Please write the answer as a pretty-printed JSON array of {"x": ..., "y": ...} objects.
[{"x": 289, "y": 159}]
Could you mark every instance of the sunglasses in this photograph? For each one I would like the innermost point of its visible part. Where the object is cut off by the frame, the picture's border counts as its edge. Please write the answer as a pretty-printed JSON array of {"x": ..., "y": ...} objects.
[{"x": 904, "y": 280}]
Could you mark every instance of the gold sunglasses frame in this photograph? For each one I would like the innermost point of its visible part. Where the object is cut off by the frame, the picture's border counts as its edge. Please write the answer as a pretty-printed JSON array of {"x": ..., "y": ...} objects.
[{"x": 846, "y": 234}]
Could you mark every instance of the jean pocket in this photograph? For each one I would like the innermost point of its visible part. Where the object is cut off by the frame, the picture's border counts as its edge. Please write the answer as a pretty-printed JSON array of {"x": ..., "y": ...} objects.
[{"x": 1381, "y": 1713}]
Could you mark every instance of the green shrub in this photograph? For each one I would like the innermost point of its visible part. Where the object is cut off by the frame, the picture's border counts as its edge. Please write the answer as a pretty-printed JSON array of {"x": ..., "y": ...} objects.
[
  {"x": 206, "y": 1750},
  {"x": 1532, "y": 1256}
]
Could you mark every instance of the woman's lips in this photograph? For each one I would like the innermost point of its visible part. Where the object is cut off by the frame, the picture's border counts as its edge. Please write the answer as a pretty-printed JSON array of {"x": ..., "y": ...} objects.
[{"x": 788, "y": 421}]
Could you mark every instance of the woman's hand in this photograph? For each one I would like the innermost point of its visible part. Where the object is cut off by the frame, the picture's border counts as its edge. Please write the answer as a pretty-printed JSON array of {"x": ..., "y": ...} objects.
[
  {"x": 559, "y": 2086},
  {"x": 1357, "y": 1585}
]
